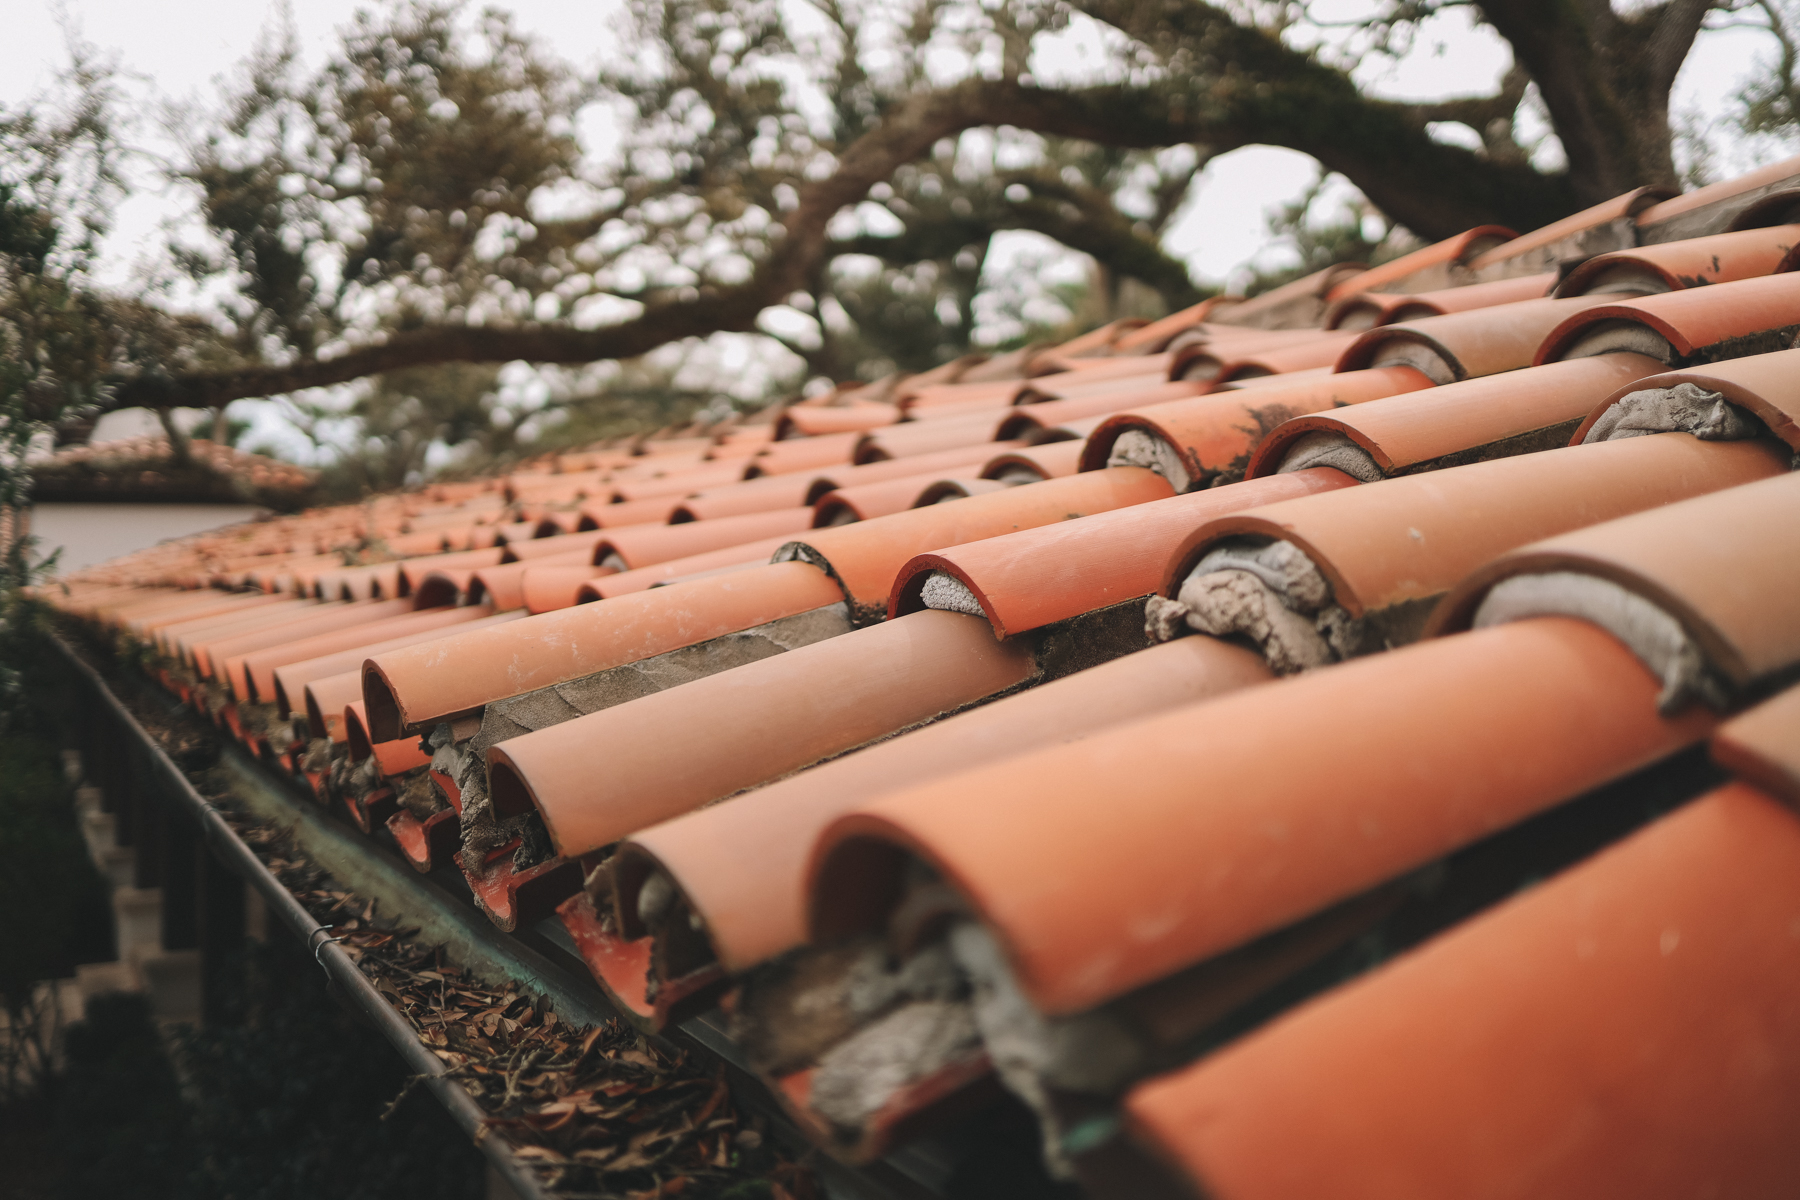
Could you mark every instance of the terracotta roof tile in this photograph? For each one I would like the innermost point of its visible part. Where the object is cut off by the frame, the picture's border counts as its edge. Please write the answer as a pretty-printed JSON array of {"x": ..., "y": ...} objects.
[
  {"x": 1467, "y": 345},
  {"x": 863, "y": 558},
  {"x": 740, "y": 866},
  {"x": 548, "y": 587},
  {"x": 935, "y": 749},
  {"x": 1491, "y": 417},
  {"x": 746, "y": 726},
  {"x": 745, "y": 554},
  {"x": 503, "y": 586},
  {"x": 1030, "y": 579},
  {"x": 291, "y": 678},
  {"x": 925, "y": 437},
  {"x": 636, "y": 546},
  {"x": 1683, "y": 324},
  {"x": 1279, "y": 835},
  {"x": 1388, "y": 551},
  {"x": 1764, "y": 385},
  {"x": 1365, "y": 310},
  {"x": 801, "y": 454},
  {"x": 1714, "y": 563},
  {"x": 1624, "y": 1030},
  {"x": 1693, "y": 263},
  {"x": 1193, "y": 442},
  {"x": 1719, "y": 206},
  {"x": 1610, "y": 225},
  {"x": 1050, "y": 460},
  {"x": 852, "y": 417},
  {"x": 1290, "y": 306},
  {"x": 1762, "y": 746},
  {"x": 1427, "y": 268}
]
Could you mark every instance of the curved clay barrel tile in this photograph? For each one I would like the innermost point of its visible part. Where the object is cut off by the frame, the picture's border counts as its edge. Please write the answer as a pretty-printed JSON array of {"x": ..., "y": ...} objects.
[
  {"x": 326, "y": 698},
  {"x": 1695, "y": 262},
  {"x": 1097, "y": 343},
  {"x": 562, "y": 543},
  {"x": 928, "y": 401},
  {"x": 1369, "y": 309},
  {"x": 516, "y": 534},
  {"x": 1112, "y": 863},
  {"x": 410, "y": 544},
  {"x": 1426, "y": 268},
  {"x": 749, "y": 496},
  {"x": 1365, "y": 310},
  {"x": 503, "y": 587},
  {"x": 1214, "y": 342},
  {"x": 1094, "y": 378},
  {"x": 558, "y": 489},
  {"x": 556, "y": 522},
  {"x": 214, "y": 656},
  {"x": 1627, "y": 1029},
  {"x": 414, "y": 689},
  {"x": 278, "y": 575},
  {"x": 414, "y": 571},
  {"x": 1725, "y": 566},
  {"x": 803, "y": 454},
  {"x": 866, "y": 501},
  {"x": 1028, "y": 464},
  {"x": 1193, "y": 442},
  {"x": 391, "y": 758},
  {"x": 257, "y": 668},
  {"x": 946, "y": 490},
  {"x": 360, "y": 583},
  {"x": 174, "y": 637},
  {"x": 864, "y": 557},
  {"x": 1517, "y": 412},
  {"x": 118, "y": 606},
  {"x": 203, "y": 607},
  {"x": 808, "y": 421},
  {"x": 958, "y": 460},
  {"x": 741, "y": 865},
  {"x": 684, "y": 482},
  {"x": 1297, "y": 349},
  {"x": 1682, "y": 325},
  {"x": 550, "y": 586},
  {"x": 647, "y": 545},
  {"x": 1765, "y": 385},
  {"x": 181, "y": 640},
  {"x": 1065, "y": 431},
  {"x": 291, "y": 678},
  {"x": 1718, "y": 206},
  {"x": 1297, "y": 305},
  {"x": 1762, "y": 746},
  {"x": 1466, "y": 345},
  {"x": 1022, "y": 421},
  {"x": 927, "y": 437},
  {"x": 597, "y": 778},
  {"x": 1390, "y": 550},
  {"x": 1323, "y": 351},
  {"x": 444, "y": 586},
  {"x": 1154, "y": 338},
  {"x": 616, "y": 516},
  {"x": 1033, "y": 578},
  {"x": 625, "y": 582},
  {"x": 1606, "y": 226}
]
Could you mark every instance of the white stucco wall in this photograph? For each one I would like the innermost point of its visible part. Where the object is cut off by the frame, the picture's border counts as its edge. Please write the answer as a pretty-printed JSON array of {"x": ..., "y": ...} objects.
[{"x": 93, "y": 533}]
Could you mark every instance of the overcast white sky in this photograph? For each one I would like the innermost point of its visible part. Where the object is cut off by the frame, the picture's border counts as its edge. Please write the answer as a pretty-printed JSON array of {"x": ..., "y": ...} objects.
[{"x": 180, "y": 49}]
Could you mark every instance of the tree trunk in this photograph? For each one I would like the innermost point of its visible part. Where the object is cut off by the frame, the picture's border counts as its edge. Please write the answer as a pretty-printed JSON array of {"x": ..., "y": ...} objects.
[{"x": 1605, "y": 80}]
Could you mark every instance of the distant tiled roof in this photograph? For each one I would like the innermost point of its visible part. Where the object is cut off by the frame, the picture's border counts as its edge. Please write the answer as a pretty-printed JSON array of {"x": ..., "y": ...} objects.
[
  {"x": 1271, "y": 744},
  {"x": 143, "y": 469}
]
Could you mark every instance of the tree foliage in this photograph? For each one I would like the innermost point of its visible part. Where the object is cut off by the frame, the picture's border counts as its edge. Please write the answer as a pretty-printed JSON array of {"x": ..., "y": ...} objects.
[{"x": 829, "y": 177}]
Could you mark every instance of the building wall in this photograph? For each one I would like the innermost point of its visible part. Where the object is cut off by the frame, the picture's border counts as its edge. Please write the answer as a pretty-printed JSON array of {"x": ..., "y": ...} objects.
[{"x": 93, "y": 533}]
